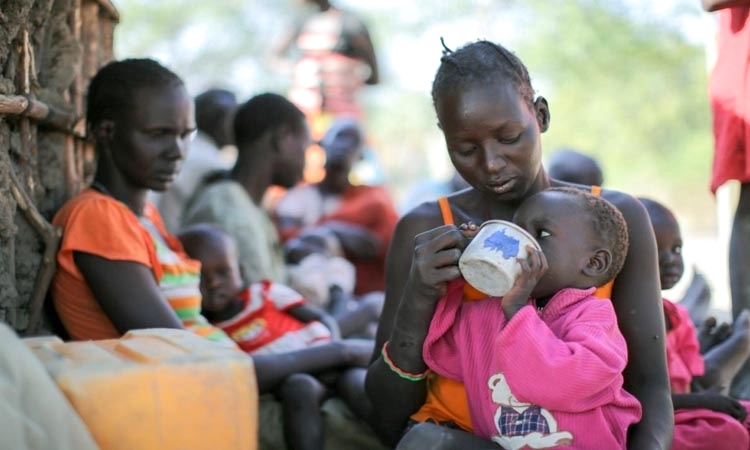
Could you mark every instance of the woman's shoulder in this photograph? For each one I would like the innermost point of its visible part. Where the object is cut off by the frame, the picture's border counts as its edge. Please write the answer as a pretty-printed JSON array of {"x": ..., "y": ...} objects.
[
  {"x": 94, "y": 207},
  {"x": 422, "y": 217}
]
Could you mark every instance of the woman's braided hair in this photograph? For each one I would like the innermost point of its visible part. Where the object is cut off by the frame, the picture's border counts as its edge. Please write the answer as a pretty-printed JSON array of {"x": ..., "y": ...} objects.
[
  {"x": 112, "y": 90},
  {"x": 480, "y": 62}
]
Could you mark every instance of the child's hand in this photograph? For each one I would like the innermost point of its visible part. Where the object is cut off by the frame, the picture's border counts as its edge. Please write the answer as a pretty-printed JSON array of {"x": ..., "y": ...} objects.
[
  {"x": 715, "y": 401},
  {"x": 532, "y": 269}
]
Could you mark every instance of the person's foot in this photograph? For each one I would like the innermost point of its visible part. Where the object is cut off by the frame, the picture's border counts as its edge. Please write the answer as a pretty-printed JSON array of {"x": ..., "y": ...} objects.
[
  {"x": 697, "y": 297},
  {"x": 740, "y": 387}
]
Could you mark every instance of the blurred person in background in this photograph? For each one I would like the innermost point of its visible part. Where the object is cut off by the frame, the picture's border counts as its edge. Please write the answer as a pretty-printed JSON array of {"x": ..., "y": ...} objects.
[
  {"x": 570, "y": 165},
  {"x": 271, "y": 135},
  {"x": 430, "y": 190},
  {"x": 332, "y": 58},
  {"x": 337, "y": 59},
  {"x": 728, "y": 92},
  {"x": 359, "y": 218}
]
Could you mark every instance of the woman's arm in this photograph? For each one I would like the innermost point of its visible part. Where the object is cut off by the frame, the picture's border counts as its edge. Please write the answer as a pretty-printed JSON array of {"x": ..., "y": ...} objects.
[
  {"x": 418, "y": 270},
  {"x": 636, "y": 297},
  {"x": 127, "y": 292},
  {"x": 715, "y": 5}
]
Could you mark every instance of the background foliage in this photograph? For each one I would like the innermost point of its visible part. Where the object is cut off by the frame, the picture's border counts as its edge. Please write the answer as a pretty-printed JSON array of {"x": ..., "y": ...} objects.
[{"x": 626, "y": 79}]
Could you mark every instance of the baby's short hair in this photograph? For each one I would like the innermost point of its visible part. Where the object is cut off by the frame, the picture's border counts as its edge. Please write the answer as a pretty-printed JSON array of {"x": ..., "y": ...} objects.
[
  {"x": 608, "y": 223},
  {"x": 201, "y": 237}
]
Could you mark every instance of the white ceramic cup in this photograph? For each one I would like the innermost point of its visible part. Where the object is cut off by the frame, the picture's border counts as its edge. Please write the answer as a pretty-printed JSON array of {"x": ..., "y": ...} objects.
[{"x": 489, "y": 261}]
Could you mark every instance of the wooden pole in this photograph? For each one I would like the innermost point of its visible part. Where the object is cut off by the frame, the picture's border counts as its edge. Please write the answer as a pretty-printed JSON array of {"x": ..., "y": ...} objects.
[
  {"x": 51, "y": 236},
  {"x": 25, "y": 106}
]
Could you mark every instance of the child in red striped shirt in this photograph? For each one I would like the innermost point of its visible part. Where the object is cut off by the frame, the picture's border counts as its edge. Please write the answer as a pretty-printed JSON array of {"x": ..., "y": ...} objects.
[{"x": 268, "y": 318}]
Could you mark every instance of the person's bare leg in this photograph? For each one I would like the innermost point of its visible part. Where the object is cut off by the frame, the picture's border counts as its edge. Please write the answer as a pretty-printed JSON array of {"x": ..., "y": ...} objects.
[
  {"x": 697, "y": 297},
  {"x": 739, "y": 277},
  {"x": 366, "y": 311},
  {"x": 739, "y": 254},
  {"x": 301, "y": 396},
  {"x": 351, "y": 389},
  {"x": 724, "y": 360}
]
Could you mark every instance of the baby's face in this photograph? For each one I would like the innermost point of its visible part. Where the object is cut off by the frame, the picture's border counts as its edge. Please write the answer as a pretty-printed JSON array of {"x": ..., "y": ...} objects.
[
  {"x": 558, "y": 222},
  {"x": 669, "y": 246},
  {"x": 221, "y": 279}
]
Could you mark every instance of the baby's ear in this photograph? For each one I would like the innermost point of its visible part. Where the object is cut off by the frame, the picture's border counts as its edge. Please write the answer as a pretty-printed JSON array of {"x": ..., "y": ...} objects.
[
  {"x": 598, "y": 263},
  {"x": 541, "y": 109}
]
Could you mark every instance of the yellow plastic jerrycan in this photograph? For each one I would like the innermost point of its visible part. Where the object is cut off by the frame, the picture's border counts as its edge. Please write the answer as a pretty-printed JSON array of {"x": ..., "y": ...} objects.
[{"x": 157, "y": 389}]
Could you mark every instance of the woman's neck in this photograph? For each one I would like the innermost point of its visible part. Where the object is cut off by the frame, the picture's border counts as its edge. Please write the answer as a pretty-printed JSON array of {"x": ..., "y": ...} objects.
[
  {"x": 134, "y": 199},
  {"x": 254, "y": 182}
]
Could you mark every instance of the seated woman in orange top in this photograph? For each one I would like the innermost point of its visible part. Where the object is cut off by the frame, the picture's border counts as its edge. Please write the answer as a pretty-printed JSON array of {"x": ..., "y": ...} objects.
[{"x": 118, "y": 267}]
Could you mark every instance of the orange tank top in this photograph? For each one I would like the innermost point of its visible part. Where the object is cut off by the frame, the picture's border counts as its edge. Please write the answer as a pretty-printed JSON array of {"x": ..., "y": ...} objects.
[{"x": 446, "y": 399}]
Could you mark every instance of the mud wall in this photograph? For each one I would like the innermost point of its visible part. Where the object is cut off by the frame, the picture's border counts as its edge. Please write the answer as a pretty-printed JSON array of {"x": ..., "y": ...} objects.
[{"x": 49, "y": 49}]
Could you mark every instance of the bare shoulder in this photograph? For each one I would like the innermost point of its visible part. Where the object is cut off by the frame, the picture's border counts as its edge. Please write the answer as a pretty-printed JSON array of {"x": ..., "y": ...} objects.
[
  {"x": 628, "y": 205},
  {"x": 420, "y": 218}
]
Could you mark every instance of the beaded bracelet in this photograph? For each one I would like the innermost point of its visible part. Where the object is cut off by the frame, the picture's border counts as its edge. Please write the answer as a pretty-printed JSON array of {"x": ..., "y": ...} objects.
[{"x": 399, "y": 372}]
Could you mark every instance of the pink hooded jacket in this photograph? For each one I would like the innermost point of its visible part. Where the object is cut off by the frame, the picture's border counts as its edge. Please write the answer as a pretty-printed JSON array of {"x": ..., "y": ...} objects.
[{"x": 543, "y": 379}]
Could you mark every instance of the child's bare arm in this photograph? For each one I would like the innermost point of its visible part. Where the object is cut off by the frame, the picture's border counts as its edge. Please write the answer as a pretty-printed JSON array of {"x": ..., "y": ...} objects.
[
  {"x": 307, "y": 313},
  {"x": 710, "y": 399},
  {"x": 532, "y": 269}
]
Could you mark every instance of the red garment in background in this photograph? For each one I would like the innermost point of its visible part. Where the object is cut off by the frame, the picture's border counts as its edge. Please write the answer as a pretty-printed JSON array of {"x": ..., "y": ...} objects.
[
  {"x": 371, "y": 208},
  {"x": 328, "y": 77},
  {"x": 730, "y": 104}
]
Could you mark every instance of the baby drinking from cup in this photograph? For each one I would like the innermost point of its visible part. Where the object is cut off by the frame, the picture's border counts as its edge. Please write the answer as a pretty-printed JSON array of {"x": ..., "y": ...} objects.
[{"x": 542, "y": 364}]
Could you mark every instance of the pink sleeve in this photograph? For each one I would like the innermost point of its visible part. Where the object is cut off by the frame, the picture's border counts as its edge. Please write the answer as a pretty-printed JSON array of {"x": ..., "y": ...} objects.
[
  {"x": 687, "y": 338},
  {"x": 443, "y": 342},
  {"x": 576, "y": 369}
]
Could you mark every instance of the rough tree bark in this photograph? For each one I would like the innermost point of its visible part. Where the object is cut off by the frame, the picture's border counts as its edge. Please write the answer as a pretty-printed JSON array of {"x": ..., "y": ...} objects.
[{"x": 49, "y": 49}]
